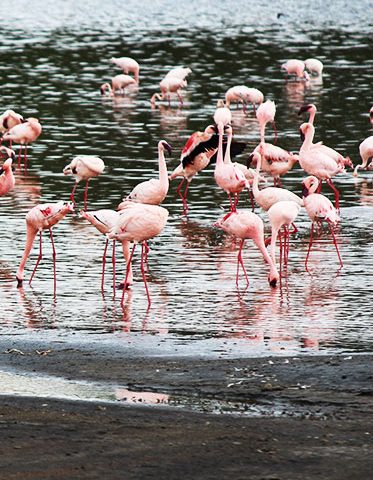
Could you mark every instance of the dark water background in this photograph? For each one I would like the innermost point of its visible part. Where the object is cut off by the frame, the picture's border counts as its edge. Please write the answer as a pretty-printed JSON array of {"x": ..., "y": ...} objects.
[{"x": 53, "y": 58}]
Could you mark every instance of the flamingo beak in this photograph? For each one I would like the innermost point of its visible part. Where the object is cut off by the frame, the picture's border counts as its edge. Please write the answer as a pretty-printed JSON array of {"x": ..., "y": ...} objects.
[
  {"x": 249, "y": 160},
  {"x": 273, "y": 282},
  {"x": 168, "y": 148},
  {"x": 19, "y": 282},
  {"x": 303, "y": 109},
  {"x": 305, "y": 191}
]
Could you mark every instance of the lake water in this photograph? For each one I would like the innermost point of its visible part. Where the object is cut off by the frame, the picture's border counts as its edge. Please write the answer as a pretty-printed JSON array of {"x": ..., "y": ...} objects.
[{"x": 53, "y": 58}]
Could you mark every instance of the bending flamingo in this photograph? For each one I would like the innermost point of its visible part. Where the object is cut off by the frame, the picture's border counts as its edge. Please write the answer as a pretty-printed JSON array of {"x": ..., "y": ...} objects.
[
  {"x": 9, "y": 119},
  {"x": 281, "y": 215},
  {"x": 314, "y": 66},
  {"x": 128, "y": 65},
  {"x": 366, "y": 154},
  {"x": 139, "y": 223},
  {"x": 244, "y": 224},
  {"x": 105, "y": 220},
  {"x": 118, "y": 83},
  {"x": 7, "y": 180},
  {"x": 169, "y": 85},
  {"x": 39, "y": 218},
  {"x": 153, "y": 191},
  {"x": 319, "y": 209},
  {"x": 24, "y": 133},
  {"x": 179, "y": 72},
  {"x": 296, "y": 68},
  {"x": 84, "y": 167},
  {"x": 244, "y": 95}
]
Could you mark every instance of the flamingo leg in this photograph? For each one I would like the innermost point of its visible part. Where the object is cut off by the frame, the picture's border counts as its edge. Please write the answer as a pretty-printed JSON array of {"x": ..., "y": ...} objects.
[
  {"x": 54, "y": 261},
  {"x": 25, "y": 158},
  {"x": 183, "y": 196},
  {"x": 181, "y": 102},
  {"x": 85, "y": 195},
  {"x": 231, "y": 203},
  {"x": 275, "y": 130},
  {"x": 251, "y": 199},
  {"x": 143, "y": 255},
  {"x": 240, "y": 262},
  {"x": 279, "y": 184},
  {"x": 72, "y": 193},
  {"x": 103, "y": 264},
  {"x": 335, "y": 244},
  {"x": 281, "y": 250},
  {"x": 295, "y": 230},
  {"x": 38, "y": 259},
  {"x": 244, "y": 109},
  {"x": 113, "y": 261},
  {"x": 19, "y": 156},
  {"x": 127, "y": 272},
  {"x": 146, "y": 254},
  {"x": 236, "y": 198},
  {"x": 254, "y": 108},
  {"x": 309, "y": 246},
  {"x": 336, "y": 192},
  {"x": 319, "y": 187}
]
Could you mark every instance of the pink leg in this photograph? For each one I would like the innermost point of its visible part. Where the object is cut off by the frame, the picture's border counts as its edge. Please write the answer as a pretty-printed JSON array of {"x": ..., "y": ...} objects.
[
  {"x": 72, "y": 193},
  {"x": 335, "y": 244},
  {"x": 244, "y": 109},
  {"x": 85, "y": 195},
  {"x": 146, "y": 254},
  {"x": 183, "y": 196},
  {"x": 251, "y": 200},
  {"x": 231, "y": 202},
  {"x": 143, "y": 254},
  {"x": 38, "y": 260},
  {"x": 240, "y": 262},
  {"x": 319, "y": 187},
  {"x": 254, "y": 108},
  {"x": 181, "y": 102},
  {"x": 236, "y": 198},
  {"x": 54, "y": 261},
  {"x": 309, "y": 246},
  {"x": 19, "y": 156},
  {"x": 281, "y": 250},
  {"x": 113, "y": 261},
  {"x": 295, "y": 230},
  {"x": 103, "y": 265},
  {"x": 127, "y": 272},
  {"x": 279, "y": 184},
  {"x": 336, "y": 193},
  {"x": 25, "y": 158}
]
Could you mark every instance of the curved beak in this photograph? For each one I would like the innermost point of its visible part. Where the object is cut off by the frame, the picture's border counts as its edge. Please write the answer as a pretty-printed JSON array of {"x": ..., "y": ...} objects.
[
  {"x": 168, "y": 148},
  {"x": 304, "y": 191},
  {"x": 303, "y": 109}
]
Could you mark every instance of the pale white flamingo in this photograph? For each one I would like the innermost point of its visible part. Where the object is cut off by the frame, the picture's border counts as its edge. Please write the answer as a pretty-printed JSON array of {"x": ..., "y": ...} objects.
[
  {"x": 244, "y": 224},
  {"x": 105, "y": 220},
  {"x": 366, "y": 154},
  {"x": 167, "y": 86},
  {"x": 39, "y": 218},
  {"x": 316, "y": 162},
  {"x": 296, "y": 68},
  {"x": 244, "y": 95},
  {"x": 139, "y": 223},
  {"x": 84, "y": 167},
  {"x": 9, "y": 119},
  {"x": 270, "y": 195},
  {"x": 128, "y": 65},
  {"x": 179, "y": 72},
  {"x": 281, "y": 215},
  {"x": 153, "y": 191},
  {"x": 320, "y": 209},
  {"x": 7, "y": 180},
  {"x": 266, "y": 114},
  {"x": 118, "y": 83},
  {"x": 314, "y": 66},
  {"x": 24, "y": 133}
]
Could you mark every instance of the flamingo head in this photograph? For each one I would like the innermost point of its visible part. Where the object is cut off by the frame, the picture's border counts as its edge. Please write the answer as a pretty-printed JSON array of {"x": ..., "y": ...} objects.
[
  {"x": 273, "y": 277},
  {"x": 68, "y": 207},
  {"x": 103, "y": 88},
  {"x": 307, "y": 108},
  {"x": 309, "y": 185},
  {"x": 165, "y": 146},
  {"x": 303, "y": 129}
]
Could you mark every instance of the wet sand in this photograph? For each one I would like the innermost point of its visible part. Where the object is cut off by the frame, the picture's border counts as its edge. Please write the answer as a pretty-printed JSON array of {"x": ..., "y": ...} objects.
[{"x": 318, "y": 421}]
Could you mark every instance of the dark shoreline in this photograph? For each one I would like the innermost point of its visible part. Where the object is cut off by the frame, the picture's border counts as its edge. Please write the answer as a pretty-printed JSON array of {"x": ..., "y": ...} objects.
[{"x": 325, "y": 431}]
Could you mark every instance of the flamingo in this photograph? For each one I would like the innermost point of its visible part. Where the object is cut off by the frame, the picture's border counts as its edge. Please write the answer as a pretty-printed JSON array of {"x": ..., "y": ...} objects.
[
  {"x": 119, "y": 82},
  {"x": 319, "y": 209},
  {"x": 366, "y": 153},
  {"x": 281, "y": 215},
  {"x": 179, "y": 72},
  {"x": 9, "y": 119},
  {"x": 270, "y": 195},
  {"x": 128, "y": 65},
  {"x": 84, "y": 167},
  {"x": 139, "y": 223},
  {"x": 244, "y": 95},
  {"x": 266, "y": 114},
  {"x": 222, "y": 114},
  {"x": 314, "y": 66},
  {"x": 169, "y": 85},
  {"x": 244, "y": 224},
  {"x": 316, "y": 162},
  {"x": 39, "y": 218},
  {"x": 296, "y": 68},
  {"x": 105, "y": 220},
  {"x": 153, "y": 191},
  {"x": 7, "y": 180},
  {"x": 228, "y": 175},
  {"x": 24, "y": 133}
]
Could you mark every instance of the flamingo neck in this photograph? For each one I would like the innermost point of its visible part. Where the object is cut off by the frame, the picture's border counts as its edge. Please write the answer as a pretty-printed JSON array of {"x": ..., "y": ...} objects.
[
  {"x": 308, "y": 138},
  {"x": 259, "y": 242},
  {"x": 262, "y": 127},
  {"x": 30, "y": 238},
  {"x": 312, "y": 115},
  {"x": 227, "y": 156},
  {"x": 255, "y": 185},
  {"x": 219, "y": 157},
  {"x": 163, "y": 174}
]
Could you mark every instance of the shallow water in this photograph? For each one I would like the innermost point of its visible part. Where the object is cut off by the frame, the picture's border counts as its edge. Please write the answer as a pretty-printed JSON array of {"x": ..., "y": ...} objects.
[{"x": 52, "y": 62}]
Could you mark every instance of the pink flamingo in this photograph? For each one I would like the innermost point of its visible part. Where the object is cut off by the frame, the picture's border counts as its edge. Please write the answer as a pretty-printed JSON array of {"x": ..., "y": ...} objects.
[
  {"x": 39, "y": 218},
  {"x": 7, "y": 180},
  {"x": 270, "y": 195},
  {"x": 84, "y": 167},
  {"x": 366, "y": 153},
  {"x": 316, "y": 162},
  {"x": 244, "y": 224},
  {"x": 281, "y": 215},
  {"x": 244, "y": 95},
  {"x": 139, "y": 223},
  {"x": 179, "y": 72},
  {"x": 319, "y": 209},
  {"x": 105, "y": 220},
  {"x": 314, "y": 66},
  {"x": 24, "y": 133},
  {"x": 266, "y": 114},
  {"x": 228, "y": 175},
  {"x": 222, "y": 114},
  {"x": 118, "y": 83},
  {"x": 8, "y": 120},
  {"x": 128, "y": 65},
  {"x": 169, "y": 85},
  {"x": 153, "y": 191},
  {"x": 296, "y": 68}
]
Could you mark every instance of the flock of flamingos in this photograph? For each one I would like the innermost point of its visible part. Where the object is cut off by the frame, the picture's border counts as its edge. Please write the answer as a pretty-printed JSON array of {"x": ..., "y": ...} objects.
[{"x": 140, "y": 217}]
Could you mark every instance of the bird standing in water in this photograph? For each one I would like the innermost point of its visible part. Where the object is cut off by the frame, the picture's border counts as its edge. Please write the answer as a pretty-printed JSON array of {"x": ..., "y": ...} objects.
[
  {"x": 23, "y": 134},
  {"x": 128, "y": 65},
  {"x": 7, "y": 180}
]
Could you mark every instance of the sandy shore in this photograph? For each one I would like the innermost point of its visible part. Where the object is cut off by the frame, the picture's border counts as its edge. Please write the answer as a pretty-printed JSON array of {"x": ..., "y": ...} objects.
[{"x": 316, "y": 420}]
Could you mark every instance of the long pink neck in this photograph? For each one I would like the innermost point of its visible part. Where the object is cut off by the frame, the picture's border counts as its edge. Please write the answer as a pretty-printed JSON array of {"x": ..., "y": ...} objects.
[
  {"x": 312, "y": 115},
  {"x": 259, "y": 242},
  {"x": 227, "y": 157},
  {"x": 127, "y": 257},
  {"x": 308, "y": 138},
  {"x": 30, "y": 238},
  {"x": 262, "y": 126},
  {"x": 219, "y": 157},
  {"x": 163, "y": 175}
]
